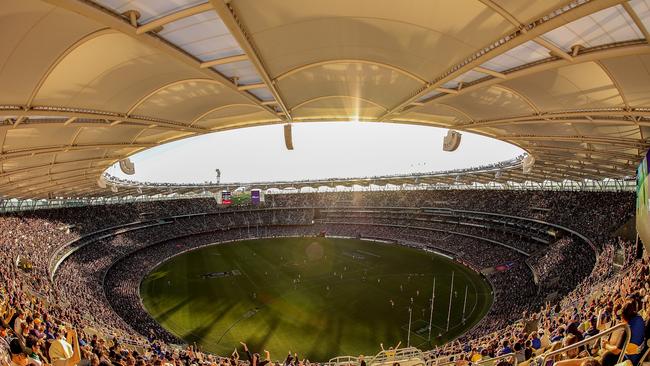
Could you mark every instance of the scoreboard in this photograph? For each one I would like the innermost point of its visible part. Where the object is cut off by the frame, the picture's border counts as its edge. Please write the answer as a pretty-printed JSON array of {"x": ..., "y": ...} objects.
[{"x": 226, "y": 198}]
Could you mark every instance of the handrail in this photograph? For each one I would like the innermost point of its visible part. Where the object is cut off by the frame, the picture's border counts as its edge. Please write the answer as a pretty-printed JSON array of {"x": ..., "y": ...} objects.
[
  {"x": 495, "y": 360},
  {"x": 446, "y": 363},
  {"x": 646, "y": 353},
  {"x": 455, "y": 357},
  {"x": 397, "y": 355},
  {"x": 545, "y": 356},
  {"x": 589, "y": 340},
  {"x": 442, "y": 360},
  {"x": 346, "y": 360}
]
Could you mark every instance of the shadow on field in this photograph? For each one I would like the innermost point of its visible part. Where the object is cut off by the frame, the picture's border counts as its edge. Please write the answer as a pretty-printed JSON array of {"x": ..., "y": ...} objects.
[
  {"x": 198, "y": 334},
  {"x": 329, "y": 339},
  {"x": 162, "y": 317},
  {"x": 258, "y": 341}
]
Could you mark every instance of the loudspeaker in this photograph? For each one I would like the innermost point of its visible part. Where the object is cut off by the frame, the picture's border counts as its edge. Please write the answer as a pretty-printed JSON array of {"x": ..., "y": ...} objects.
[
  {"x": 101, "y": 182},
  {"x": 288, "y": 139},
  {"x": 451, "y": 141},
  {"x": 127, "y": 166},
  {"x": 528, "y": 163}
]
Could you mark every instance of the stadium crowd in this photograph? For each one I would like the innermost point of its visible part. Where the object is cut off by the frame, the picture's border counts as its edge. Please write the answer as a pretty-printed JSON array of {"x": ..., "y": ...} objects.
[
  {"x": 71, "y": 321},
  {"x": 594, "y": 219},
  {"x": 607, "y": 297}
]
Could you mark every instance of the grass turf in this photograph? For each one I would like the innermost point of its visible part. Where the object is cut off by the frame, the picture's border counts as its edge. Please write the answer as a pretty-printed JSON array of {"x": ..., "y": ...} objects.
[{"x": 320, "y": 297}]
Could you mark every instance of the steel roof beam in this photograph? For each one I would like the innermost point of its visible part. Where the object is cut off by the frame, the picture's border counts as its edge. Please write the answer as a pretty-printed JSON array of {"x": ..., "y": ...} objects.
[
  {"x": 52, "y": 176},
  {"x": 9, "y": 173},
  {"x": 590, "y": 139},
  {"x": 64, "y": 148},
  {"x": 223, "y": 61},
  {"x": 564, "y": 117},
  {"x": 637, "y": 20},
  {"x": 71, "y": 116},
  {"x": 617, "y": 154},
  {"x": 35, "y": 186},
  {"x": 181, "y": 14},
  {"x": 554, "y": 49},
  {"x": 234, "y": 24}
]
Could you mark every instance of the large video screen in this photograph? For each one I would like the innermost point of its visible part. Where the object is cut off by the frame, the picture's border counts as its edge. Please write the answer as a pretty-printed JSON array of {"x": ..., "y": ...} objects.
[
  {"x": 642, "y": 203},
  {"x": 226, "y": 198},
  {"x": 255, "y": 196}
]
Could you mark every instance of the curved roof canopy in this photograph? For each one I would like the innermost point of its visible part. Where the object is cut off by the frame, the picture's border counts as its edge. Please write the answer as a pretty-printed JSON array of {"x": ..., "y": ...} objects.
[{"x": 86, "y": 83}]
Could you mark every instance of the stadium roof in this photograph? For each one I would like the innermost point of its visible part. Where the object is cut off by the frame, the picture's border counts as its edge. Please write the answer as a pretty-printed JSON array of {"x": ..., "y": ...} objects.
[{"x": 86, "y": 83}]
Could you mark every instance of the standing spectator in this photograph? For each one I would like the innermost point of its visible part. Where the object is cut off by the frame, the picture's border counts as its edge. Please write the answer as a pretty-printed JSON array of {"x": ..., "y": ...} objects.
[{"x": 64, "y": 350}]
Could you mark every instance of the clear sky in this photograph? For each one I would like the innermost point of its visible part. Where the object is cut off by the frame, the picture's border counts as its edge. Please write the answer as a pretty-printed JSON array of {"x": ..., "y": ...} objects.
[{"x": 321, "y": 150}]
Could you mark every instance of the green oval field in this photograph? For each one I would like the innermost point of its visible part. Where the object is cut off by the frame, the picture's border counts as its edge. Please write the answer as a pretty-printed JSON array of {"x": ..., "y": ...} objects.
[{"x": 320, "y": 297}]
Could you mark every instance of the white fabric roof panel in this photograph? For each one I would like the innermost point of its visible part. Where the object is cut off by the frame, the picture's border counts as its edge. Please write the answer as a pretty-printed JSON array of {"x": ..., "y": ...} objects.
[
  {"x": 518, "y": 56},
  {"x": 107, "y": 135},
  {"x": 572, "y": 87},
  {"x": 467, "y": 77},
  {"x": 606, "y": 26},
  {"x": 642, "y": 9},
  {"x": 203, "y": 36},
  {"x": 94, "y": 76},
  {"x": 439, "y": 113},
  {"x": 262, "y": 94},
  {"x": 148, "y": 9},
  {"x": 243, "y": 70},
  {"x": 187, "y": 100},
  {"x": 491, "y": 102},
  {"x": 35, "y": 137},
  {"x": 428, "y": 95},
  {"x": 528, "y": 11},
  {"x": 238, "y": 116},
  {"x": 347, "y": 79},
  {"x": 40, "y": 30},
  {"x": 633, "y": 77}
]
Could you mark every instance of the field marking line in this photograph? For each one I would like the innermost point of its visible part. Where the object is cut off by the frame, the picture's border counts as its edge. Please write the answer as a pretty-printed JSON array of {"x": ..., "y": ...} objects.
[
  {"x": 368, "y": 253},
  {"x": 247, "y": 276},
  {"x": 235, "y": 323},
  {"x": 473, "y": 307}
]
